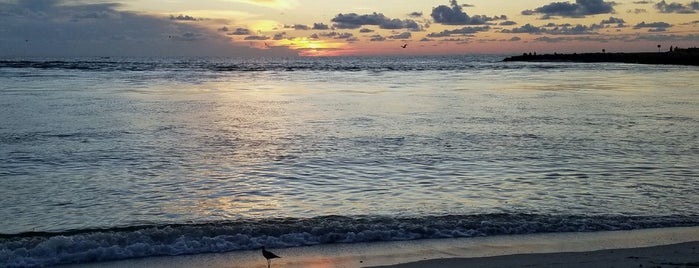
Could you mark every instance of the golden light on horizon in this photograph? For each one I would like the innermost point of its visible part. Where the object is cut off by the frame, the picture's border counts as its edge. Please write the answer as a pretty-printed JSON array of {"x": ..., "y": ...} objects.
[{"x": 313, "y": 47}]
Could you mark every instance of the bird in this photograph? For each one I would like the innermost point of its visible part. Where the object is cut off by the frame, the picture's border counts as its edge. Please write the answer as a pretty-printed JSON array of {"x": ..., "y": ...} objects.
[
  {"x": 269, "y": 256},
  {"x": 404, "y": 46}
]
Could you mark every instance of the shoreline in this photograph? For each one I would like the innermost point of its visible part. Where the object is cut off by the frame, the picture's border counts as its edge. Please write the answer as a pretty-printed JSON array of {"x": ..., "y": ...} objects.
[
  {"x": 678, "y": 57},
  {"x": 671, "y": 245},
  {"x": 674, "y": 255}
]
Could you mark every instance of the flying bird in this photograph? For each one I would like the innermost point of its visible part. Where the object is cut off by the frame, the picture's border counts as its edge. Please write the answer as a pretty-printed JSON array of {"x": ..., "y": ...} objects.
[
  {"x": 269, "y": 256},
  {"x": 404, "y": 46}
]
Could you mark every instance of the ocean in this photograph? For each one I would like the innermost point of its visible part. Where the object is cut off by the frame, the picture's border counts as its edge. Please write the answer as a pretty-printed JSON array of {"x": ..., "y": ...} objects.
[{"x": 117, "y": 158}]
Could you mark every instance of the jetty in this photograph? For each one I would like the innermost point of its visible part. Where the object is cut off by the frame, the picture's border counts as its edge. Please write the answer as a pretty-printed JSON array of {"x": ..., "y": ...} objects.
[{"x": 687, "y": 56}]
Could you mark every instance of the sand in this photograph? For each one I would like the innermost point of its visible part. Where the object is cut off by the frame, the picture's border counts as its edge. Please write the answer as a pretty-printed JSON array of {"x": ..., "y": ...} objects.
[
  {"x": 675, "y": 255},
  {"x": 666, "y": 247}
]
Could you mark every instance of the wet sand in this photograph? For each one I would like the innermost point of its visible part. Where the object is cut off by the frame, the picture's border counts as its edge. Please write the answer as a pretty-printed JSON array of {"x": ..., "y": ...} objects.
[{"x": 666, "y": 247}]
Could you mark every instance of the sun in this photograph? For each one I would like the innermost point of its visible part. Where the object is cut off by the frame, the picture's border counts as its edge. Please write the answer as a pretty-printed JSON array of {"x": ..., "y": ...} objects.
[{"x": 312, "y": 47}]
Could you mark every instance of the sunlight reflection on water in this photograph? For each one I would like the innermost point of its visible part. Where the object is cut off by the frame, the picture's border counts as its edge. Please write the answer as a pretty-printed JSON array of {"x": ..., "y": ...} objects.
[{"x": 302, "y": 144}]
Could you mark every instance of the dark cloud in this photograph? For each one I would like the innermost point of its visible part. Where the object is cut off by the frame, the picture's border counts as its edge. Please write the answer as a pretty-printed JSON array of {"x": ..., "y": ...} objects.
[
  {"x": 415, "y": 14},
  {"x": 613, "y": 20},
  {"x": 345, "y": 36},
  {"x": 223, "y": 29},
  {"x": 183, "y": 18},
  {"x": 462, "y": 31},
  {"x": 355, "y": 21},
  {"x": 527, "y": 28},
  {"x": 257, "y": 37},
  {"x": 320, "y": 26},
  {"x": 550, "y": 39},
  {"x": 188, "y": 36},
  {"x": 508, "y": 23},
  {"x": 73, "y": 28},
  {"x": 334, "y": 35},
  {"x": 279, "y": 36},
  {"x": 454, "y": 15},
  {"x": 654, "y": 26},
  {"x": 377, "y": 38},
  {"x": 664, "y": 7},
  {"x": 366, "y": 30},
  {"x": 300, "y": 27},
  {"x": 579, "y": 9},
  {"x": 516, "y": 38},
  {"x": 241, "y": 31},
  {"x": 402, "y": 36},
  {"x": 551, "y": 28}
]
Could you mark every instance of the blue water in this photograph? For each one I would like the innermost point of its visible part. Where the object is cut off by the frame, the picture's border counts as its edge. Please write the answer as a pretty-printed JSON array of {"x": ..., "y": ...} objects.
[{"x": 104, "y": 159}]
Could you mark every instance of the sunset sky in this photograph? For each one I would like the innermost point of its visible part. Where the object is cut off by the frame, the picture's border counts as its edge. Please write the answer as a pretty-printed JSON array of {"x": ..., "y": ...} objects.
[{"x": 334, "y": 28}]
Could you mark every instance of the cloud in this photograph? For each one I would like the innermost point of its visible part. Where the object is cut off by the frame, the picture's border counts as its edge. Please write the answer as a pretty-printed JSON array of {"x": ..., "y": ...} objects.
[
  {"x": 551, "y": 28},
  {"x": 256, "y": 37},
  {"x": 188, "y": 36},
  {"x": 241, "y": 31},
  {"x": 655, "y": 26},
  {"x": 366, "y": 30},
  {"x": 516, "y": 38},
  {"x": 664, "y": 7},
  {"x": 279, "y": 36},
  {"x": 550, "y": 39},
  {"x": 320, "y": 26},
  {"x": 355, "y": 21},
  {"x": 334, "y": 35},
  {"x": 183, "y": 18},
  {"x": 377, "y": 38},
  {"x": 404, "y": 35},
  {"x": 507, "y": 23},
  {"x": 73, "y": 28},
  {"x": 527, "y": 28},
  {"x": 579, "y": 9},
  {"x": 415, "y": 14},
  {"x": 613, "y": 20},
  {"x": 454, "y": 15},
  {"x": 300, "y": 27},
  {"x": 462, "y": 31}
]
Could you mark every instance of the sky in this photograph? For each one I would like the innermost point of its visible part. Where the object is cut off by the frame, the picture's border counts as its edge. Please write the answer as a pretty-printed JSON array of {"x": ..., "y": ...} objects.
[{"x": 271, "y": 28}]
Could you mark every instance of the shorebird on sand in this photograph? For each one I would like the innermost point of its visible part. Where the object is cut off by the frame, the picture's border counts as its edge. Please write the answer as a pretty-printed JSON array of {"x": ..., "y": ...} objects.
[{"x": 269, "y": 256}]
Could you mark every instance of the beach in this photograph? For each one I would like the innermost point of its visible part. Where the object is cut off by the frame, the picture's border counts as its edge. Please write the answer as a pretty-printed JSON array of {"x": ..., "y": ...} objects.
[
  {"x": 664, "y": 247},
  {"x": 675, "y": 255}
]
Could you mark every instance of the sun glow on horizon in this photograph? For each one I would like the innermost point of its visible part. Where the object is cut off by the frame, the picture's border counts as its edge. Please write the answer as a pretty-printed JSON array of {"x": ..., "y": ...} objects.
[{"x": 313, "y": 47}]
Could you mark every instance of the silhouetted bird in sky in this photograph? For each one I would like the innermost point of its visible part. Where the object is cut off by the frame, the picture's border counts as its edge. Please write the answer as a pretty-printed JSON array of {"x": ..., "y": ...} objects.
[
  {"x": 404, "y": 46},
  {"x": 269, "y": 256}
]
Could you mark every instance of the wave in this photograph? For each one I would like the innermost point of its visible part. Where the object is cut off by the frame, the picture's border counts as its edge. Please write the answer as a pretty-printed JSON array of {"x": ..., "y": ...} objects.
[
  {"x": 345, "y": 64},
  {"x": 95, "y": 245}
]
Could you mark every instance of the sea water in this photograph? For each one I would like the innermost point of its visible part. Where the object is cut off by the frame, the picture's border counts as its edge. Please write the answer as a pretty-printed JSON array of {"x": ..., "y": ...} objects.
[{"x": 116, "y": 158}]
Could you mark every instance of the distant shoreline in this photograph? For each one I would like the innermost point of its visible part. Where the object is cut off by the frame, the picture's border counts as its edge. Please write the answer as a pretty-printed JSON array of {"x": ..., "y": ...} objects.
[{"x": 677, "y": 57}]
